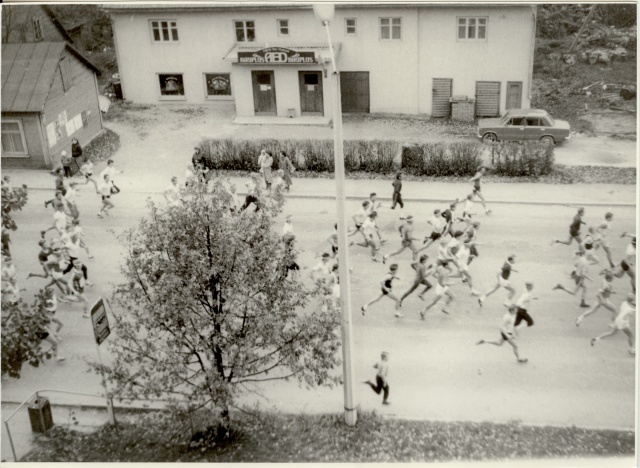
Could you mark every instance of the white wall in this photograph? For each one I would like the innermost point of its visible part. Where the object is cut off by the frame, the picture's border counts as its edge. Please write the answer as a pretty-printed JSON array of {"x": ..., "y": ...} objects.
[
  {"x": 400, "y": 71},
  {"x": 504, "y": 56}
]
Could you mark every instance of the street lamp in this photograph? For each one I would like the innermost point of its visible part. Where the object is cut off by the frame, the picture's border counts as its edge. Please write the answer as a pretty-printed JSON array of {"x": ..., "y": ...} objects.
[{"x": 324, "y": 12}]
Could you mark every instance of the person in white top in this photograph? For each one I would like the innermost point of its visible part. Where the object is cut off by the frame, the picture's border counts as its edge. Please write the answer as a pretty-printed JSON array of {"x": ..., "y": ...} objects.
[
  {"x": 579, "y": 275},
  {"x": 86, "y": 171},
  {"x": 370, "y": 231},
  {"x": 467, "y": 211},
  {"x": 172, "y": 192},
  {"x": 507, "y": 332},
  {"x": 462, "y": 259},
  {"x": 60, "y": 221},
  {"x": 112, "y": 172},
  {"x": 437, "y": 229},
  {"x": 621, "y": 323},
  {"x": 603, "y": 229},
  {"x": 522, "y": 306},
  {"x": 382, "y": 384},
  {"x": 321, "y": 271},
  {"x": 627, "y": 265},
  {"x": 106, "y": 189},
  {"x": 605, "y": 291},
  {"x": 288, "y": 225},
  {"x": 359, "y": 218}
]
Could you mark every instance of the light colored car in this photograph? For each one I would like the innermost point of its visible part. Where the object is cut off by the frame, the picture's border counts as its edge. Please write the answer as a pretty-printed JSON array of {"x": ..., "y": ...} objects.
[{"x": 524, "y": 124}]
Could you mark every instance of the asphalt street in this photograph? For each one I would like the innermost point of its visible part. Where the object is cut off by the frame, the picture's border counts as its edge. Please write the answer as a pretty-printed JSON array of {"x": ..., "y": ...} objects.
[{"x": 436, "y": 370}]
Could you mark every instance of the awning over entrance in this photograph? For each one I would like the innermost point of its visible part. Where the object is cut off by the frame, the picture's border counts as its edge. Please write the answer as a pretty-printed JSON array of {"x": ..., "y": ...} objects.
[{"x": 300, "y": 54}]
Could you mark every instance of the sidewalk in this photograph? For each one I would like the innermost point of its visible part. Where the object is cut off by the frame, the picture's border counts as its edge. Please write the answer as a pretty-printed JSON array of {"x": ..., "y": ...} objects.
[{"x": 609, "y": 195}]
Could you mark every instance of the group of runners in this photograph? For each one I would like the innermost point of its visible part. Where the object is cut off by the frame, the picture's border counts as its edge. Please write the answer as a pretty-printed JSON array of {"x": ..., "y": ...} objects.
[
  {"x": 60, "y": 248},
  {"x": 455, "y": 230}
]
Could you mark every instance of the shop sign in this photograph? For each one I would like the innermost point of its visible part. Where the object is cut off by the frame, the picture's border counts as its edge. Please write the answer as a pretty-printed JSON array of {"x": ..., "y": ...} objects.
[
  {"x": 100, "y": 322},
  {"x": 276, "y": 55}
]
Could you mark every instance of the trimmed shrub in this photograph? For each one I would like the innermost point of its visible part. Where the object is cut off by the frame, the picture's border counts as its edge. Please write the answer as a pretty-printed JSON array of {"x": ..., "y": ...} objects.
[
  {"x": 531, "y": 158},
  {"x": 102, "y": 147},
  {"x": 312, "y": 155},
  {"x": 442, "y": 160}
]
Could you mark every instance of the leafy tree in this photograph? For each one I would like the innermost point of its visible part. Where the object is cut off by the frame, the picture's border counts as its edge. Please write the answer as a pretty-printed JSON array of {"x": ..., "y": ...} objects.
[
  {"x": 21, "y": 325},
  {"x": 209, "y": 308},
  {"x": 12, "y": 199}
]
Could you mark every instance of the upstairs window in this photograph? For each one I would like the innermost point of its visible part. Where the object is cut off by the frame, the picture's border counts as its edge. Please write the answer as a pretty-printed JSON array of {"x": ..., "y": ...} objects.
[
  {"x": 390, "y": 29},
  {"x": 66, "y": 73},
  {"x": 37, "y": 29},
  {"x": 164, "y": 30},
  {"x": 350, "y": 26},
  {"x": 245, "y": 31},
  {"x": 472, "y": 28},
  {"x": 283, "y": 27}
]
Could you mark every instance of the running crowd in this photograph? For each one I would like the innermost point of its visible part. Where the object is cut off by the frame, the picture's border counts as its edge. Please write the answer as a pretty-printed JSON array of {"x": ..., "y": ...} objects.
[
  {"x": 61, "y": 243},
  {"x": 454, "y": 231}
]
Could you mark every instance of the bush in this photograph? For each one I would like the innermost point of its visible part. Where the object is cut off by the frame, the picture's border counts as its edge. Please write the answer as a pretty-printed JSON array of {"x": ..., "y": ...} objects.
[
  {"x": 375, "y": 156},
  {"x": 103, "y": 146},
  {"x": 531, "y": 158},
  {"x": 441, "y": 160}
]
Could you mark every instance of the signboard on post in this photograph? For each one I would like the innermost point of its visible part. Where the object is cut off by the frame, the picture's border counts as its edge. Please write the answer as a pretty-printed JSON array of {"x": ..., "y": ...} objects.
[
  {"x": 100, "y": 322},
  {"x": 279, "y": 55}
]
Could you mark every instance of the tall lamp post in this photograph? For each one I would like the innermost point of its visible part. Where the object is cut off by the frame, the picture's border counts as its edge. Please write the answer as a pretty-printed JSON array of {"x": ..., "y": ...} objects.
[{"x": 324, "y": 12}]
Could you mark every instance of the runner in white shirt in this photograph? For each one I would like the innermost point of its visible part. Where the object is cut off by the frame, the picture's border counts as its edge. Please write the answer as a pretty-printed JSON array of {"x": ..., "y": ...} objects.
[
  {"x": 321, "y": 271},
  {"x": 60, "y": 221},
  {"x": 288, "y": 225},
  {"x": 437, "y": 229},
  {"x": 172, "y": 192},
  {"x": 507, "y": 332},
  {"x": 106, "y": 189},
  {"x": 621, "y": 323},
  {"x": 603, "y": 229},
  {"x": 359, "y": 218},
  {"x": 111, "y": 171},
  {"x": 462, "y": 259},
  {"x": 580, "y": 274},
  {"x": 627, "y": 265},
  {"x": 370, "y": 231},
  {"x": 522, "y": 306},
  {"x": 603, "y": 295},
  {"x": 86, "y": 171}
]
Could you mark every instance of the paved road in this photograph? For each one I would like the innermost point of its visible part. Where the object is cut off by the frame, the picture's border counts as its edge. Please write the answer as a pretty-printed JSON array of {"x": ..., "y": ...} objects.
[{"x": 437, "y": 371}]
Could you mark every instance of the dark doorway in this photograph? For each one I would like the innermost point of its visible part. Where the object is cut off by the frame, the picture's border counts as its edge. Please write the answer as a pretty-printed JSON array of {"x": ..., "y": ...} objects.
[
  {"x": 311, "y": 92},
  {"x": 264, "y": 92}
]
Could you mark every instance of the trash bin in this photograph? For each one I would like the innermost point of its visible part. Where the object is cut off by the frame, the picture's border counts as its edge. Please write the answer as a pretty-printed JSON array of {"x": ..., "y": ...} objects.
[
  {"x": 462, "y": 108},
  {"x": 40, "y": 415},
  {"x": 117, "y": 89}
]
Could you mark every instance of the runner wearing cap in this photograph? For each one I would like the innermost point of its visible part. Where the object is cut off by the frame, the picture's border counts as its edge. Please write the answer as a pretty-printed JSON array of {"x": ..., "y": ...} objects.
[
  {"x": 507, "y": 332},
  {"x": 406, "y": 232},
  {"x": 621, "y": 323},
  {"x": 385, "y": 290}
]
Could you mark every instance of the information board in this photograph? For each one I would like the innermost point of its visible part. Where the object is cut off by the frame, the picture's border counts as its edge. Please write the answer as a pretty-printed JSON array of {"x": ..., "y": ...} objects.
[{"x": 100, "y": 321}]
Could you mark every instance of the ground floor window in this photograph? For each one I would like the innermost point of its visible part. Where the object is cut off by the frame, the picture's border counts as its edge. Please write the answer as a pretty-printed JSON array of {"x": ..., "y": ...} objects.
[
  {"x": 13, "y": 141},
  {"x": 218, "y": 84},
  {"x": 171, "y": 84}
]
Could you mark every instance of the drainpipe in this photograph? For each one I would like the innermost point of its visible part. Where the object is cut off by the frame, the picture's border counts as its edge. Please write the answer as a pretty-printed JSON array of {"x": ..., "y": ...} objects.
[{"x": 534, "y": 14}]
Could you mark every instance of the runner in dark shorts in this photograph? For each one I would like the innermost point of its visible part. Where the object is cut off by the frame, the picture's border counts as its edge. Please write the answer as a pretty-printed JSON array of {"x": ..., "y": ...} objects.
[
  {"x": 574, "y": 229},
  {"x": 385, "y": 290},
  {"x": 475, "y": 180},
  {"x": 507, "y": 333},
  {"x": 423, "y": 271}
]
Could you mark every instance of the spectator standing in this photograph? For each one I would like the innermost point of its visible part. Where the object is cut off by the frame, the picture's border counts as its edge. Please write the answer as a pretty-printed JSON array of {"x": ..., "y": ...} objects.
[
  {"x": 287, "y": 167},
  {"x": 265, "y": 161},
  {"x": 76, "y": 151}
]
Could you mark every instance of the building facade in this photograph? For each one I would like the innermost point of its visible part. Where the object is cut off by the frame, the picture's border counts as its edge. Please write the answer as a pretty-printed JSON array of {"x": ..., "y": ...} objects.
[
  {"x": 49, "y": 96},
  {"x": 273, "y": 60}
]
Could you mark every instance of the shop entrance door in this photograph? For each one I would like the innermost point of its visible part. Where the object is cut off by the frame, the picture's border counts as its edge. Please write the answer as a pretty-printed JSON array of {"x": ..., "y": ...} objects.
[
  {"x": 264, "y": 92},
  {"x": 311, "y": 92}
]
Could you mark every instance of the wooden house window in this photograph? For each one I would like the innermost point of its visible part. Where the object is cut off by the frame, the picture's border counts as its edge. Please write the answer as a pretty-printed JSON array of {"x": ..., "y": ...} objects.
[
  {"x": 66, "y": 73},
  {"x": 13, "y": 142},
  {"x": 164, "y": 30},
  {"x": 37, "y": 29}
]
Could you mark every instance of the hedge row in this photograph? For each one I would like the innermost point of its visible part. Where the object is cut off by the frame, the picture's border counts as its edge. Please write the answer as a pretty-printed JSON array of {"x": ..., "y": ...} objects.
[
  {"x": 464, "y": 158},
  {"x": 379, "y": 156},
  {"x": 312, "y": 155}
]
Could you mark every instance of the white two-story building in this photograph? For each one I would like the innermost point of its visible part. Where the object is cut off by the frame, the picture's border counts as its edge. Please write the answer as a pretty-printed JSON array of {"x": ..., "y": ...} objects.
[{"x": 273, "y": 60}]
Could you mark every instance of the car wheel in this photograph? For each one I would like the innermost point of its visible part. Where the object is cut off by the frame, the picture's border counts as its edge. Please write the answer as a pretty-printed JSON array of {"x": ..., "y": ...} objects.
[
  {"x": 490, "y": 137},
  {"x": 548, "y": 140}
]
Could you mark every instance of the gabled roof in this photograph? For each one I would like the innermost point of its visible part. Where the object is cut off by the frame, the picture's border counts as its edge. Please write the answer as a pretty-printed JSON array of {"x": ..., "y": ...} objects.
[
  {"x": 57, "y": 23},
  {"x": 27, "y": 73}
]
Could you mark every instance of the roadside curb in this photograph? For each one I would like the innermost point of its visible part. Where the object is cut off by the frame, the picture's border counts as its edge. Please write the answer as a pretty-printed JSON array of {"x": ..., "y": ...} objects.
[
  {"x": 419, "y": 200},
  {"x": 386, "y": 416}
]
